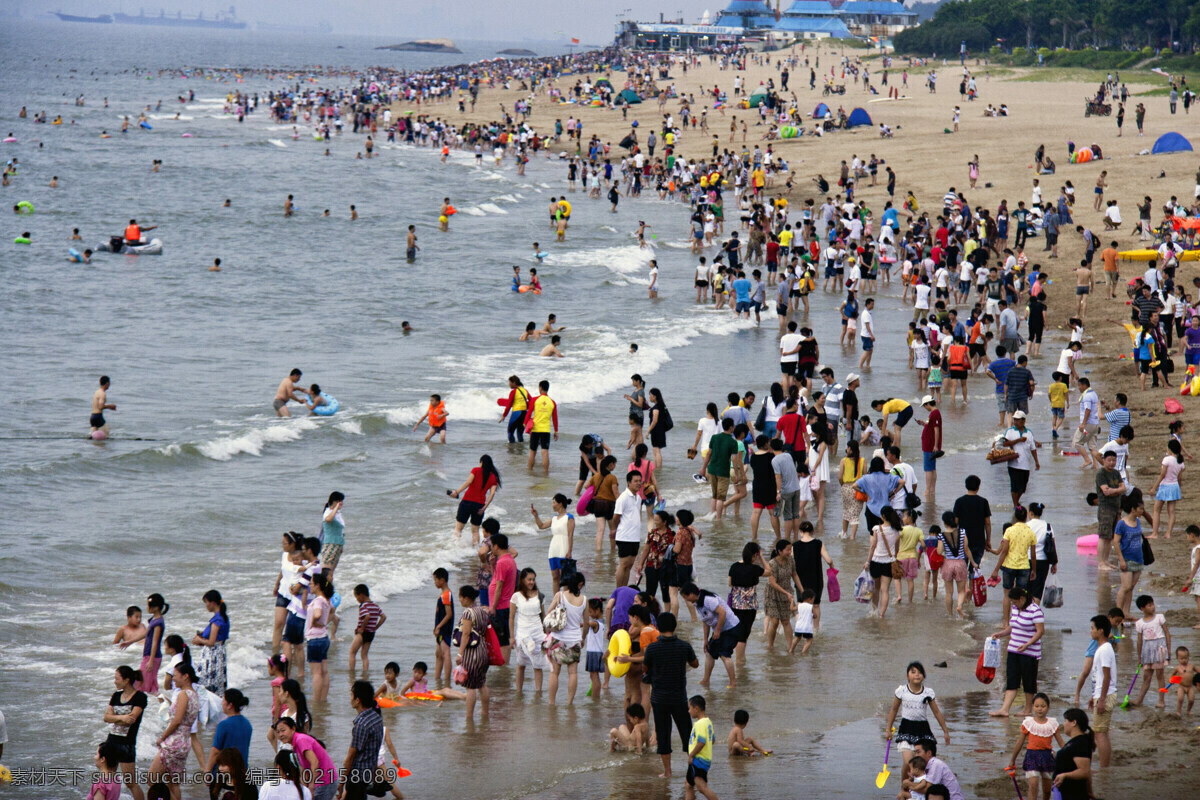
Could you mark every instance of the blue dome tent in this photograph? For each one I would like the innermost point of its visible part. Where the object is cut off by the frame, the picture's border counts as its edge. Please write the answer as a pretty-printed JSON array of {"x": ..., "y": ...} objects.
[
  {"x": 820, "y": 111},
  {"x": 1171, "y": 143},
  {"x": 858, "y": 117}
]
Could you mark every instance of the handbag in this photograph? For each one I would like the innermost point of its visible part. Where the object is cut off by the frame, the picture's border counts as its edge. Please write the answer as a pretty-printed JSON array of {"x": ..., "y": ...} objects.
[
  {"x": 495, "y": 654},
  {"x": 665, "y": 417},
  {"x": 1052, "y": 595},
  {"x": 832, "y": 587},
  {"x": 1049, "y": 548},
  {"x": 760, "y": 423},
  {"x": 456, "y": 637},
  {"x": 979, "y": 589},
  {"x": 860, "y": 496},
  {"x": 897, "y": 567},
  {"x": 1147, "y": 553},
  {"x": 556, "y": 620}
]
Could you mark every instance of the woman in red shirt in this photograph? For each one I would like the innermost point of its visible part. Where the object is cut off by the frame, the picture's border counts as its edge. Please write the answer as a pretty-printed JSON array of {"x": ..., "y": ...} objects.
[{"x": 477, "y": 494}]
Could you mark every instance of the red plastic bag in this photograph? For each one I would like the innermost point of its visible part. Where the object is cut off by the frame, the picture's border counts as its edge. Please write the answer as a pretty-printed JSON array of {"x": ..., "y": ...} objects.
[
  {"x": 495, "y": 654},
  {"x": 831, "y": 585},
  {"x": 936, "y": 560},
  {"x": 1172, "y": 406},
  {"x": 984, "y": 674},
  {"x": 979, "y": 590}
]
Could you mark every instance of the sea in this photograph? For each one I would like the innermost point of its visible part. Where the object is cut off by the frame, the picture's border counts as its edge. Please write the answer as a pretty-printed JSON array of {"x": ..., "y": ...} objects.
[{"x": 199, "y": 478}]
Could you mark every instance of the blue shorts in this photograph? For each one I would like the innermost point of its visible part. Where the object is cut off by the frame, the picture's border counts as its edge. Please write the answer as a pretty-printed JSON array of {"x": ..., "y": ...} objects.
[
  {"x": 830, "y": 272},
  {"x": 868, "y": 344},
  {"x": 293, "y": 629},
  {"x": 772, "y": 266},
  {"x": 930, "y": 462},
  {"x": 964, "y": 287},
  {"x": 1014, "y": 578},
  {"x": 743, "y": 305},
  {"x": 556, "y": 563},
  {"x": 1058, "y": 413},
  {"x": 318, "y": 650},
  {"x": 1192, "y": 359}
]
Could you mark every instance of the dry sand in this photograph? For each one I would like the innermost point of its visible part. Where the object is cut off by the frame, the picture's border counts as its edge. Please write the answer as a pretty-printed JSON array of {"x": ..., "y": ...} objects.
[{"x": 1154, "y": 754}]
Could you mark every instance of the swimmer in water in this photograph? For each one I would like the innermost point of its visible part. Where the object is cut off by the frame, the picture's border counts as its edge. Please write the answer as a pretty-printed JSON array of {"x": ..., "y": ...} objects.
[
  {"x": 633, "y": 348},
  {"x": 289, "y": 208},
  {"x": 410, "y": 244},
  {"x": 132, "y": 631},
  {"x": 326, "y": 214},
  {"x": 228, "y": 203},
  {"x": 549, "y": 326},
  {"x": 54, "y": 182},
  {"x": 531, "y": 332},
  {"x": 534, "y": 284},
  {"x": 537, "y": 253},
  {"x": 286, "y": 393},
  {"x": 516, "y": 283},
  {"x": 87, "y": 256},
  {"x": 353, "y": 212},
  {"x": 444, "y": 216},
  {"x": 315, "y": 400},
  {"x": 551, "y": 350},
  {"x": 216, "y": 266},
  {"x": 641, "y": 233},
  {"x": 100, "y": 404},
  {"x": 405, "y": 328},
  {"x": 75, "y": 237}
]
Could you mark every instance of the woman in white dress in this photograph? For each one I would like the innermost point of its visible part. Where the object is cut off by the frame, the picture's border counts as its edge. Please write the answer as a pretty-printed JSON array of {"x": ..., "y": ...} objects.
[
  {"x": 527, "y": 632},
  {"x": 562, "y": 535}
]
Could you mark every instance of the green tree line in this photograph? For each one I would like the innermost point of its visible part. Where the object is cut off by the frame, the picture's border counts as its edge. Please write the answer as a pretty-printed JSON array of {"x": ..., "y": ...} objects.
[{"x": 1072, "y": 24}]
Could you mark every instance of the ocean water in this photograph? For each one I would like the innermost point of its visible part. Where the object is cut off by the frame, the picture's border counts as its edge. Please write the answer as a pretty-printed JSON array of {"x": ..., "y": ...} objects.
[{"x": 199, "y": 479}]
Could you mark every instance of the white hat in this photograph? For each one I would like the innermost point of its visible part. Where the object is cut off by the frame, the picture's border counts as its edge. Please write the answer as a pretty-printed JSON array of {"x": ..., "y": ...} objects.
[
  {"x": 927, "y": 399},
  {"x": 1019, "y": 415},
  {"x": 851, "y": 378}
]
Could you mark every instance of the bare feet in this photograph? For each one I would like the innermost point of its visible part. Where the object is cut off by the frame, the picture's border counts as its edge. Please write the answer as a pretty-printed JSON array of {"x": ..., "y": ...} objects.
[{"x": 1000, "y": 713}]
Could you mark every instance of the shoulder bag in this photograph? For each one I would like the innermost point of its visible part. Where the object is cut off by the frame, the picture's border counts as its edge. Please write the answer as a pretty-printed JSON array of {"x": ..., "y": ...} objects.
[{"x": 897, "y": 567}]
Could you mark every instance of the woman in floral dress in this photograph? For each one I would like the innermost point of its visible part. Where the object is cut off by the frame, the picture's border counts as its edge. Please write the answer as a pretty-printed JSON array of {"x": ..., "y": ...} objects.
[
  {"x": 175, "y": 741},
  {"x": 471, "y": 640}
]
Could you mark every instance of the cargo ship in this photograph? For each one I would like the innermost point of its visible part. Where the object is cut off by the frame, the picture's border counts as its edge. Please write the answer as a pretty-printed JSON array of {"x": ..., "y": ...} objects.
[
  {"x": 223, "y": 21},
  {"x": 103, "y": 18}
]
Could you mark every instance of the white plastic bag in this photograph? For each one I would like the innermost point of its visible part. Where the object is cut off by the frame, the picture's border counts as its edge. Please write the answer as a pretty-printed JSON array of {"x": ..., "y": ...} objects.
[
  {"x": 864, "y": 584},
  {"x": 991, "y": 653},
  {"x": 1052, "y": 595}
]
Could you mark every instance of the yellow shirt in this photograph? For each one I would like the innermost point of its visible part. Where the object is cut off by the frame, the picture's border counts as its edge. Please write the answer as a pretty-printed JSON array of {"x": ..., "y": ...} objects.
[
  {"x": 910, "y": 539},
  {"x": 702, "y": 733},
  {"x": 785, "y": 238},
  {"x": 1058, "y": 395},
  {"x": 894, "y": 406},
  {"x": 1020, "y": 538},
  {"x": 851, "y": 471}
]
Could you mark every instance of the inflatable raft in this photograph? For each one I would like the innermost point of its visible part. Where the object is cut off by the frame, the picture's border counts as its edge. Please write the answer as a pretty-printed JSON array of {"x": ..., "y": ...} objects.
[
  {"x": 1152, "y": 255},
  {"x": 154, "y": 247}
]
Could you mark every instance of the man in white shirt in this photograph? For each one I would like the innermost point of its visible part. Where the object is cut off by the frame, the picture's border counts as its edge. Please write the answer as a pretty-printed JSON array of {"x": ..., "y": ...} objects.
[
  {"x": 906, "y": 474},
  {"x": 1104, "y": 686},
  {"x": 627, "y": 522},
  {"x": 789, "y": 354},
  {"x": 1021, "y": 440},
  {"x": 866, "y": 321},
  {"x": 1089, "y": 422}
]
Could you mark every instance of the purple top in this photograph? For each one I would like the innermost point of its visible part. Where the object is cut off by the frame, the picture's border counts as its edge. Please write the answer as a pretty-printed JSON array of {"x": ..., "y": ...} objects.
[
  {"x": 1192, "y": 335},
  {"x": 936, "y": 771},
  {"x": 155, "y": 622},
  {"x": 624, "y": 597}
]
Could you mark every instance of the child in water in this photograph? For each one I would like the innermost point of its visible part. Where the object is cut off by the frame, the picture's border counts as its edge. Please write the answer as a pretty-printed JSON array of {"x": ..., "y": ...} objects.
[
  {"x": 913, "y": 703},
  {"x": 1037, "y": 732},
  {"x": 437, "y": 416},
  {"x": 739, "y": 743},
  {"x": 1185, "y": 670},
  {"x": 277, "y": 668},
  {"x": 595, "y": 645},
  {"x": 633, "y": 734},
  {"x": 516, "y": 280},
  {"x": 390, "y": 689},
  {"x": 418, "y": 685},
  {"x": 804, "y": 622},
  {"x": 133, "y": 630}
]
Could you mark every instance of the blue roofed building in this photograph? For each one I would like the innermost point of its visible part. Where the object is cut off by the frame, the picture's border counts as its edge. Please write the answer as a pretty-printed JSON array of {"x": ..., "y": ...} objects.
[{"x": 882, "y": 18}]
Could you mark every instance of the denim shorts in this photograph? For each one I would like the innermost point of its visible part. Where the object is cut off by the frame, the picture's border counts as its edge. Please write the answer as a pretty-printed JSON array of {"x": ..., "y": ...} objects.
[
  {"x": 930, "y": 462},
  {"x": 1014, "y": 578},
  {"x": 317, "y": 650}
]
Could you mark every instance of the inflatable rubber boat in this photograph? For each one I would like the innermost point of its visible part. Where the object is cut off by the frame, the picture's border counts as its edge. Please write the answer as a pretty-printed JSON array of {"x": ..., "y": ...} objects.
[{"x": 116, "y": 244}]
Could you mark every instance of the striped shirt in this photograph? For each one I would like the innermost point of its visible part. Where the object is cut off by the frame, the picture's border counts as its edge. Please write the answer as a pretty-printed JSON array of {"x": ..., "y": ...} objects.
[
  {"x": 1024, "y": 624},
  {"x": 368, "y": 617},
  {"x": 1117, "y": 419}
]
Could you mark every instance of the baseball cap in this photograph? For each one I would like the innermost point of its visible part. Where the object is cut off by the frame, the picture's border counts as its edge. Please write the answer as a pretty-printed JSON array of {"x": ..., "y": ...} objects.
[
  {"x": 1019, "y": 415},
  {"x": 927, "y": 399},
  {"x": 851, "y": 378}
]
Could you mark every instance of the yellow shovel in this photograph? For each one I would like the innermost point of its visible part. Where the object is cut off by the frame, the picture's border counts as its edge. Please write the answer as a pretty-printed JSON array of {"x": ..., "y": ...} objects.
[{"x": 882, "y": 777}]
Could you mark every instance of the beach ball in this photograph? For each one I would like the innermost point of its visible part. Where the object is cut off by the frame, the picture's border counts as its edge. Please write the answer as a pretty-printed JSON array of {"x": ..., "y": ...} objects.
[{"x": 99, "y": 435}]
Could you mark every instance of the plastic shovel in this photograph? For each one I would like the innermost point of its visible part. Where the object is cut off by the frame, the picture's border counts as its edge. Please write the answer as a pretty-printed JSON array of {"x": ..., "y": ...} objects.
[
  {"x": 1012, "y": 773},
  {"x": 1125, "y": 702},
  {"x": 882, "y": 777},
  {"x": 1175, "y": 681}
]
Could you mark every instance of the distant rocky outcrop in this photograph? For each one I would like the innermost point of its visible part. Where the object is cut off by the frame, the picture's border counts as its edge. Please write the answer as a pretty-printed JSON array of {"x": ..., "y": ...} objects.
[
  {"x": 424, "y": 46},
  {"x": 516, "y": 51}
]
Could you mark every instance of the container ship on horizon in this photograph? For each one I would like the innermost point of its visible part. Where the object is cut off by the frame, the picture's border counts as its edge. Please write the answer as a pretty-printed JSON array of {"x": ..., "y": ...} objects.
[{"x": 221, "y": 21}]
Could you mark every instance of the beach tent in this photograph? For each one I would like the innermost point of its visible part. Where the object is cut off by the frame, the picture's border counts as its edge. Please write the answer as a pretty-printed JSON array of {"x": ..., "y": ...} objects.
[
  {"x": 757, "y": 99},
  {"x": 1171, "y": 143},
  {"x": 604, "y": 82},
  {"x": 858, "y": 116},
  {"x": 820, "y": 111},
  {"x": 630, "y": 96}
]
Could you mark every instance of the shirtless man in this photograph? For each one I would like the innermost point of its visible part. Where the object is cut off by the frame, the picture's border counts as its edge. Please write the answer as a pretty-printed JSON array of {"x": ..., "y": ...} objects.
[
  {"x": 288, "y": 392},
  {"x": 551, "y": 350},
  {"x": 444, "y": 215},
  {"x": 289, "y": 207},
  {"x": 1085, "y": 281},
  {"x": 550, "y": 327},
  {"x": 410, "y": 244},
  {"x": 100, "y": 404}
]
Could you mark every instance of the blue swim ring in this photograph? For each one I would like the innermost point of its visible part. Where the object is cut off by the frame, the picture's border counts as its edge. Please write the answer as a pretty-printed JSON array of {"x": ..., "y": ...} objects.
[
  {"x": 329, "y": 408},
  {"x": 75, "y": 255}
]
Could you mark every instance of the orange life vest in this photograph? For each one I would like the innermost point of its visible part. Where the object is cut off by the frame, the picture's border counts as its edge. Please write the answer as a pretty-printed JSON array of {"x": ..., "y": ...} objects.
[
  {"x": 133, "y": 234},
  {"x": 437, "y": 415},
  {"x": 958, "y": 357}
]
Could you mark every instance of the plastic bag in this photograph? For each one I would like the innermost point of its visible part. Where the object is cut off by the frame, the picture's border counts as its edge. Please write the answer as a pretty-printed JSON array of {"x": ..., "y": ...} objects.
[
  {"x": 979, "y": 589},
  {"x": 991, "y": 652},
  {"x": 1052, "y": 595},
  {"x": 495, "y": 654},
  {"x": 864, "y": 585},
  {"x": 831, "y": 585},
  {"x": 982, "y": 673}
]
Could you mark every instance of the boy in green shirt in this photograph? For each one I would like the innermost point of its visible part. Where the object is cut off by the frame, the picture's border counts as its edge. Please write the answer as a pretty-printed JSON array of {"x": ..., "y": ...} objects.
[{"x": 700, "y": 750}]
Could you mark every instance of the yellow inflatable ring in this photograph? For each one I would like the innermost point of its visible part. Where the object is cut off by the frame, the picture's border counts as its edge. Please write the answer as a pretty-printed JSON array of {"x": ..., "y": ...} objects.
[
  {"x": 565, "y": 206},
  {"x": 618, "y": 645}
]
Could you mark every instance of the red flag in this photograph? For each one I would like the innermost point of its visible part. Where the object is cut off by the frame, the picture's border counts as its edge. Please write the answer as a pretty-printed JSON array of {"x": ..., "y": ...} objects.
[{"x": 574, "y": 40}]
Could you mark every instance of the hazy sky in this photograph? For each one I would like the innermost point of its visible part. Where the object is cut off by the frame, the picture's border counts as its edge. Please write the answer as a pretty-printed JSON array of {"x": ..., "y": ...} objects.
[{"x": 592, "y": 22}]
